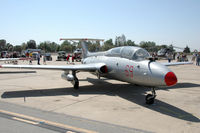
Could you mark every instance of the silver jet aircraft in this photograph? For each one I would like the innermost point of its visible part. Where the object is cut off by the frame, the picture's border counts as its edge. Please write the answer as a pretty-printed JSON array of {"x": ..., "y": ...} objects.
[{"x": 128, "y": 63}]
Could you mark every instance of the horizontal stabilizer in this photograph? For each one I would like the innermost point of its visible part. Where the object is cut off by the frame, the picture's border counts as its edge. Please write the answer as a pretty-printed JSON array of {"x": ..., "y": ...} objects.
[{"x": 81, "y": 39}]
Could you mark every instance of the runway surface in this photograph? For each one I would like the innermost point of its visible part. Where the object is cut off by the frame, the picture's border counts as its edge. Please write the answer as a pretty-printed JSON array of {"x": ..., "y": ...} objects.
[{"x": 33, "y": 120}]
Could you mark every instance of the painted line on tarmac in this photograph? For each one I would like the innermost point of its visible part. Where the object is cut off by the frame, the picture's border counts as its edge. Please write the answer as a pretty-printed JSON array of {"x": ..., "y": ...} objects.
[
  {"x": 26, "y": 121},
  {"x": 37, "y": 121}
]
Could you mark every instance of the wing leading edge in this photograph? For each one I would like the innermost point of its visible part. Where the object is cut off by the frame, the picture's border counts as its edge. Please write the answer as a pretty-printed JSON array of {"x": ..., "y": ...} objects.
[
  {"x": 176, "y": 63},
  {"x": 81, "y": 67}
]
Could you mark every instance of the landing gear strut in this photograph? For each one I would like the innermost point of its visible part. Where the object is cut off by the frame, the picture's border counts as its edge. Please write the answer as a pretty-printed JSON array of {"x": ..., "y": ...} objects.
[
  {"x": 150, "y": 97},
  {"x": 75, "y": 82}
]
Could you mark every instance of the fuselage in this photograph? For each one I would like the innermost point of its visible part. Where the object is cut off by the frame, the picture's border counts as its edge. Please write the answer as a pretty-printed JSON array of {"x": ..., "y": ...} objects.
[{"x": 141, "y": 72}]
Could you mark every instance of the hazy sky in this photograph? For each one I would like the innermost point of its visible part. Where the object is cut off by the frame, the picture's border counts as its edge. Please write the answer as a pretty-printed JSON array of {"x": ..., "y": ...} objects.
[{"x": 162, "y": 21}]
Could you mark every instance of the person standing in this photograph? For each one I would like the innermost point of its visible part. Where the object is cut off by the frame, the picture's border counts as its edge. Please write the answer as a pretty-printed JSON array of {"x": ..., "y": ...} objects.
[
  {"x": 72, "y": 58},
  {"x": 30, "y": 58},
  {"x": 68, "y": 60},
  {"x": 169, "y": 57},
  {"x": 174, "y": 56},
  {"x": 38, "y": 58},
  {"x": 44, "y": 59},
  {"x": 194, "y": 56},
  {"x": 198, "y": 59},
  {"x": 178, "y": 57}
]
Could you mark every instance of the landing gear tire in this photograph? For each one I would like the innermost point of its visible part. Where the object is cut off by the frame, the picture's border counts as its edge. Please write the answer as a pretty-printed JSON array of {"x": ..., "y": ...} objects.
[{"x": 150, "y": 99}]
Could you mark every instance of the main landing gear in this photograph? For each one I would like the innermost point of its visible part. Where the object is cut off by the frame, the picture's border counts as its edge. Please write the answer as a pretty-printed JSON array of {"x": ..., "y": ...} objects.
[
  {"x": 150, "y": 97},
  {"x": 75, "y": 82}
]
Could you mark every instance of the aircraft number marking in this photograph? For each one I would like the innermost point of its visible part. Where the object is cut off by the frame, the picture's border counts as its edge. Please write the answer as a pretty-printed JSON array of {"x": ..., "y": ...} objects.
[{"x": 129, "y": 71}]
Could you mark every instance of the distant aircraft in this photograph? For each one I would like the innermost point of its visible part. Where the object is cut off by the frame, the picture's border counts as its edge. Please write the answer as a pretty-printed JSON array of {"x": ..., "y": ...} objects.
[
  {"x": 128, "y": 63},
  {"x": 13, "y": 60},
  {"x": 10, "y": 60},
  {"x": 163, "y": 52}
]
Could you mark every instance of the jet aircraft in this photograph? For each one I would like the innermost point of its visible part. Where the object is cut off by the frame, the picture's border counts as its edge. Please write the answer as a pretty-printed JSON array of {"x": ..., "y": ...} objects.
[{"x": 127, "y": 63}]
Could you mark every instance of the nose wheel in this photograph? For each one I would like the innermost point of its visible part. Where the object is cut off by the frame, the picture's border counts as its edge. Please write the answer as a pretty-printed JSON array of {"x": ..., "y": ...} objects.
[
  {"x": 150, "y": 97},
  {"x": 75, "y": 82}
]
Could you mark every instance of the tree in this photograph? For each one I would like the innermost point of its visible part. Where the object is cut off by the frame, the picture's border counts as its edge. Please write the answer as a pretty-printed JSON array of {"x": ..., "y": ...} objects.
[
  {"x": 31, "y": 44},
  {"x": 44, "y": 46},
  {"x": 171, "y": 48},
  {"x": 120, "y": 40},
  {"x": 24, "y": 46},
  {"x": 149, "y": 46},
  {"x": 58, "y": 48},
  {"x": 93, "y": 46},
  {"x": 79, "y": 45},
  {"x": 17, "y": 48},
  {"x": 161, "y": 46},
  {"x": 9, "y": 47},
  {"x": 107, "y": 45},
  {"x": 130, "y": 43},
  {"x": 48, "y": 46},
  {"x": 53, "y": 47},
  {"x": 186, "y": 49},
  {"x": 2, "y": 44},
  {"x": 66, "y": 46}
]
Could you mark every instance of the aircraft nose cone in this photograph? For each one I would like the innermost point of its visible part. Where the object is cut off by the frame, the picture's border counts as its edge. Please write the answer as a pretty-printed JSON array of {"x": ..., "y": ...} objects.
[{"x": 170, "y": 79}]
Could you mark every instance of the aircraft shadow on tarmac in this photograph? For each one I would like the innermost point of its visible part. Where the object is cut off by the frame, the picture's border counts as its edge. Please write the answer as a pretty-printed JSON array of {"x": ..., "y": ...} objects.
[
  {"x": 184, "y": 85},
  {"x": 132, "y": 93}
]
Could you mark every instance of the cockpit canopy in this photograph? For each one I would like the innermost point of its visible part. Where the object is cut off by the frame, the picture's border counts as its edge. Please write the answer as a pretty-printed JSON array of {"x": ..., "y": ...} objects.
[{"x": 129, "y": 52}]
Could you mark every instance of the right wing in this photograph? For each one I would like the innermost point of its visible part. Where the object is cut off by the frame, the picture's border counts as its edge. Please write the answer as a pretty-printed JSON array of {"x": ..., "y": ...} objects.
[
  {"x": 82, "y": 67},
  {"x": 176, "y": 63}
]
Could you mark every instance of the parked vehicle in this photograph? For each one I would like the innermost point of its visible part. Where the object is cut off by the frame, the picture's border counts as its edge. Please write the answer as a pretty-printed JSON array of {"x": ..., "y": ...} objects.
[
  {"x": 61, "y": 56},
  {"x": 34, "y": 55},
  {"x": 48, "y": 56},
  {"x": 78, "y": 55}
]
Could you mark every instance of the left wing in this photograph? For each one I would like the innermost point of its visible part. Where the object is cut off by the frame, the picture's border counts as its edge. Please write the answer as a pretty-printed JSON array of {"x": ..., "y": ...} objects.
[
  {"x": 176, "y": 63},
  {"x": 81, "y": 67}
]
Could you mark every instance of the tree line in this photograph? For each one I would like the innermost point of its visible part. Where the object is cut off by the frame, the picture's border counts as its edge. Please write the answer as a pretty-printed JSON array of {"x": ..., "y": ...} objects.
[{"x": 68, "y": 46}]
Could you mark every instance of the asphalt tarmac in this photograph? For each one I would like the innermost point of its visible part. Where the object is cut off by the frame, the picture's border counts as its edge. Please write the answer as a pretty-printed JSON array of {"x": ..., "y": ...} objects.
[{"x": 99, "y": 105}]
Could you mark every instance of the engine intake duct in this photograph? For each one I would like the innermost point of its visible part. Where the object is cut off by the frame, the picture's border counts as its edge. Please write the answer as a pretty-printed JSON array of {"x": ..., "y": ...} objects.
[{"x": 103, "y": 69}]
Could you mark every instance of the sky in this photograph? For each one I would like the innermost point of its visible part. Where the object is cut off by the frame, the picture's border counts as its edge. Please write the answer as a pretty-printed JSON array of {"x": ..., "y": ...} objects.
[{"x": 167, "y": 22}]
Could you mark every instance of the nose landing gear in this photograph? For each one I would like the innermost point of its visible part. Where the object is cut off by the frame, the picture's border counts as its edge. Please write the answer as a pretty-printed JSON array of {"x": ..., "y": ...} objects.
[
  {"x": 75, "y": 82},
  {"x": 150, "y": 97}
]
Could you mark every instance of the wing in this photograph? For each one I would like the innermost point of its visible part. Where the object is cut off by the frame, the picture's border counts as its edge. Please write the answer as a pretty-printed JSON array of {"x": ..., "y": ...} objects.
[
  {"x": 82, "y": 67},
  {"x": 176, "y": 63}
]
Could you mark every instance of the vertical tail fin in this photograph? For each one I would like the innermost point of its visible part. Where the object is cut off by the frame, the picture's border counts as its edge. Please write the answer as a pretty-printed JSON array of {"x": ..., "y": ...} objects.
[{"x": 85, "y": 51}]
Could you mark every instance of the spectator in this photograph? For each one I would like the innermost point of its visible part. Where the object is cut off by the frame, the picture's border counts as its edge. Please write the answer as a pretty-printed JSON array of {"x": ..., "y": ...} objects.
[
  {"x": 30, "y": 59},
  {"x": 184, "y": 56},
  {"x": 68, "y": 56},
  {"x": 38, "y": 58},
  {"x": 194, "y": 56},
  {"x": 27, "y": 55},
  {"x": 174, "y": 56},
  {"x": 169, "y": 57},
  {"x": 178, "y": 57},
  {"x": 198, "y": 59},
  {"x": 73, "y": 58},
  {"x": 181, "y": 57},
  {"x": 44, "y": 59}
]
